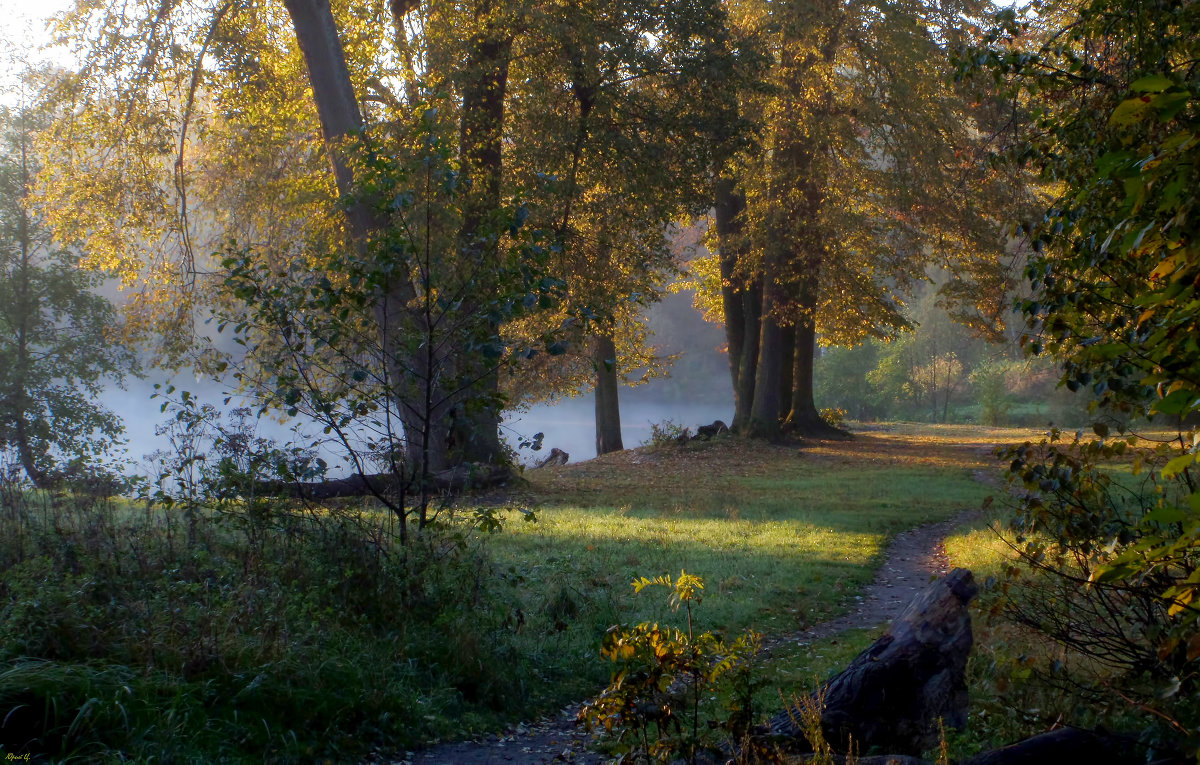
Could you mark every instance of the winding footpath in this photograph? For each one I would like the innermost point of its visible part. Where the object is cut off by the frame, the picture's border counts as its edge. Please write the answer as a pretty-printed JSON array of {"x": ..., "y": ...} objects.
[{"x": 912, "y": 559}]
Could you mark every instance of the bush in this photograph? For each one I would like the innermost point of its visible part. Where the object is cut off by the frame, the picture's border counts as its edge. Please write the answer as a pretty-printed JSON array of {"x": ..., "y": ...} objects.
[
  {"x": 667, "y": 434},
  {"x": 664, "y": 680},
  {"x": 833, "y": 415}
]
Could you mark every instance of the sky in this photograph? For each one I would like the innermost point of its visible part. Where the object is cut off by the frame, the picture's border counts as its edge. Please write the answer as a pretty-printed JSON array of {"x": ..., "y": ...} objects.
[{"x": 22, "y": 34}]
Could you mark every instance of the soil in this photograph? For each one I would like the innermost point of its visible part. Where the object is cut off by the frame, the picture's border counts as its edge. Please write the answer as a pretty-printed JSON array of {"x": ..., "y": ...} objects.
[{"x": 912, "y": 559}]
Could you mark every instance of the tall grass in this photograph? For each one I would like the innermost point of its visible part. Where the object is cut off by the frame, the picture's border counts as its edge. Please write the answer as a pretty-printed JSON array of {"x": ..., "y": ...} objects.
[{"x": 155, "y": 633}]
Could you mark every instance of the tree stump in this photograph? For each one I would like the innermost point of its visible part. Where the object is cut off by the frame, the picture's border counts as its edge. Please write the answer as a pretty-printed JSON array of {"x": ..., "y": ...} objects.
[
  {"x": 557, "y": 457},
  {"x": 893, "y": 695}
]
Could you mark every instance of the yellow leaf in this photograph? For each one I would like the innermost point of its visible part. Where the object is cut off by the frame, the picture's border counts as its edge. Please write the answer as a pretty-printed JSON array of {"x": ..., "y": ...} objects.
[{"x": 1164, "y": 268}]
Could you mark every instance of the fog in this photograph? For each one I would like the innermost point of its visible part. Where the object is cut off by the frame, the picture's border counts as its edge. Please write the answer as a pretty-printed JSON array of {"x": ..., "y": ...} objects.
[
  {"x": 568, "y": 424},
  {"x": 697, "y": 393}
]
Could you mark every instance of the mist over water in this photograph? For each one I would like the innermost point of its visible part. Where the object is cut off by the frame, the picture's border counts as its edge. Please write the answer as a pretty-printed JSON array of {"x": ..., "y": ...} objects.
[
  {"x": 697, "y": 393},
  {"x": 568, "y": 424}
]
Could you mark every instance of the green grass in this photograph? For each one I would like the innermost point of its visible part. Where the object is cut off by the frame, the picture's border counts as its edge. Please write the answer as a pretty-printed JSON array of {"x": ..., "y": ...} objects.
[{"x": 307, "y": 643}]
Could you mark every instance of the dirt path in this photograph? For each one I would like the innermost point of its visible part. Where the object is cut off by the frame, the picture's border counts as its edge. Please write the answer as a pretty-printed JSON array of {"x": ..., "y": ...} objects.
[{"x": 912, "y": 559}]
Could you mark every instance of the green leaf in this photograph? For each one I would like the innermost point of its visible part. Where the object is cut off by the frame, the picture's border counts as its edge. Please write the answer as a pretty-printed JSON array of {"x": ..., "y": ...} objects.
[
  {"x": 1177, "y": 465},
  {"x": 1166, "y": 515},
  {"x": 1113, "y": 572},
  {"x": 1177, "y": 402},
  {"x": 1154, "y": 83},
  {"x": 1131, "y": 111}
]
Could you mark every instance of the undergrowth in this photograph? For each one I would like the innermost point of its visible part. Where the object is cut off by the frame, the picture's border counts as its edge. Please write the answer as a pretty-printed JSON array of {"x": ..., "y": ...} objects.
[{"x": 131, "y": 632}]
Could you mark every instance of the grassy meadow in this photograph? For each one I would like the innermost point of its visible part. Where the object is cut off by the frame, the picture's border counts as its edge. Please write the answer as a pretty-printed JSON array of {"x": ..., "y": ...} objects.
[{"x": 233, "y": 632}]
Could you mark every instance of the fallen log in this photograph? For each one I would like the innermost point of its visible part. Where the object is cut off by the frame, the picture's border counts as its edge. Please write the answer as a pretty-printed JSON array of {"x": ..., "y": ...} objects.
[
  {"x": 456, "y": 479},
  {"x": 893, "y": 695}
]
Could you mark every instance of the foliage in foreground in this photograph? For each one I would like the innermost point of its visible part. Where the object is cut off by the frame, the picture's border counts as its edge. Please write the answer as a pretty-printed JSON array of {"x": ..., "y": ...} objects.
[
  {"x": 453, "y": 641},
  {"x": 1115, "y": 563},
  {"x": 291, "y": 634},
  {"x": 663, "y": 676}
]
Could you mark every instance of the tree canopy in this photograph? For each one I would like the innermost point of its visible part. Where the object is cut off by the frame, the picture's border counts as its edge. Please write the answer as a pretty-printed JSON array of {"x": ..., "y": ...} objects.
[
  {"x": 1108, "y": 110},
  {"x": 58, "y": 343}
]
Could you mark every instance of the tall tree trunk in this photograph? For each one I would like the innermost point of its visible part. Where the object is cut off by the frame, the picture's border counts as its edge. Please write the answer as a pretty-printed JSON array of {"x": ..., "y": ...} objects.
[
  {"x": 787, "y": 346},
  {"x": 728, "y": 210},
  {"x": 480, "y": 150},
  {"x": 608, "y": 407},
  {"x": 752, "y": 306},
  {"x": 337, "y": 108},
  {"x": 805, "y": 417},
  {"x": 793, "y": 222},
  {"x": 767, "y": 407},
  {"x": 741, "y": 299},
  {"x": 19, "y": 404}
]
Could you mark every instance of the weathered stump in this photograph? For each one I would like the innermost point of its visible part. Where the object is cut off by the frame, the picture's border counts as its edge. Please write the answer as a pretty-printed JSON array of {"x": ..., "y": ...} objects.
[
  {"x": 893, "y": 695},
  {"x": 555, "y": 458}
]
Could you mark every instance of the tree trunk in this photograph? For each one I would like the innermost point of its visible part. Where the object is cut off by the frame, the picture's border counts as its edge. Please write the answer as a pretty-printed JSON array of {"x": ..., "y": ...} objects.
[
  {"x": 608, "y": 409},
  {"x": 19, "y": 405},
  {"x": 728, "y": 210},
  {"x": 805, "y": 418},
  {"x": 766, "y": 409},
  {"x": 481, "y": 131},
  {"x": 337, "y": 109},
  {"x": 752, "y": 305},
  {"x": 741, "y": 298},
  {"x": 786, "y": 371}
]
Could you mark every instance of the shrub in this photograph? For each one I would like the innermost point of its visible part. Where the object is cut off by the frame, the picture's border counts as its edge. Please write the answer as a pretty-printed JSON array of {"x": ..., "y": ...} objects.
[
  {"x": 201, "y": 631},
  {"x": 833, "y": 415},
  {"x": 667, "y": 434},
  {"x": 662, "y": 678}
]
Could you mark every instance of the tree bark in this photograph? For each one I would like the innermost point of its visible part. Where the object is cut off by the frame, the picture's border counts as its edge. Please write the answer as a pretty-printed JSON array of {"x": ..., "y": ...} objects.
[
  {"x": 766, "y": 409},
  {"x": 787, "y": 348},
  {"x": 803, "y": 409},
  {"x": 728, "y": 210},
  {"x": 340, "y": 117},
  {"x": 752, "y": 307},
  {"x": 804, "y": 418},
  {"x": 608, "y": 408},
  {"x": 741, "y": 298},
  {"x": 480, "y": 150},
  {"x": 19, "y": 404}
]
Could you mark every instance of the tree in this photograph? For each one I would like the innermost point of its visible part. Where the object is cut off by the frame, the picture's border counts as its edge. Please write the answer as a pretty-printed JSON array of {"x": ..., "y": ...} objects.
[
  {"x": 184, "y": 80},
  {"x": 58, "y": 343},
  {"x": 871, "y": 151},
  {"x": 624, "y": 115},
  {"x": 1113, "y": 116},
  {"x": 222, "y": 97}
]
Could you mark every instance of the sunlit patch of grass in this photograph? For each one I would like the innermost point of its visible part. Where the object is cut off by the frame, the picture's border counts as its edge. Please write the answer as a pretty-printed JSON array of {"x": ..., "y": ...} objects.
[
  {"x": 783, "y": 535},
  {"x": 980, "y": 547}
]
